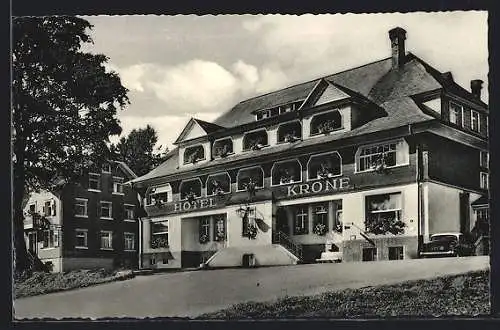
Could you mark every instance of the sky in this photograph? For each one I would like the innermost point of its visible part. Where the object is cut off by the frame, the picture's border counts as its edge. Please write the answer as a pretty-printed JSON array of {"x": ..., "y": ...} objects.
[{"x": 183, "y": 66}]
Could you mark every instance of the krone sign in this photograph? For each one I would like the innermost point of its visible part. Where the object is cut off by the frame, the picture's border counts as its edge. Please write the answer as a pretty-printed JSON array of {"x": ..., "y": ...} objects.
[{"x": 318, "y": 187}]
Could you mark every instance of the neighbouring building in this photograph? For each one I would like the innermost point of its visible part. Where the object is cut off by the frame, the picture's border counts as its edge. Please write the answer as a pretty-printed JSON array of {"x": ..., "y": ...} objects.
[
  {"x": 370, "y": 161},
  {"x": 89, "y": 224}
]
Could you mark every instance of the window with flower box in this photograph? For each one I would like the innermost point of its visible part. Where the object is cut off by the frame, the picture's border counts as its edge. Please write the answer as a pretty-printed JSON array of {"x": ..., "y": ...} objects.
[
  {"x": 286, "y": 172},
  {"x": 219, "y": 228},
  {"x": 290, "y": 132},
  {"x": 159, "y": 195},
  {"x": 255, "y": 140},
  {"x": 324, "y": 166},
  {"x": 382, "y": 156},
  {"x": 194, "y": 154},
  {"x": 326, "y": 123},
  {"x": 94, "y": 182},
  {"x": 320, "y": 218},
  {"x": 204, "y": 230},
  {"x": 190, "y": 189},
  {"x": 222, "y": 148},
  {"x": 106, "y": 239},
  {"x": 250, "y": 177},
  {"x": 301, "y": 221},
  {"x": 159, "y": 234},
  {"x": 383, "y": 214},
  {"x": 218, "y": 184}
]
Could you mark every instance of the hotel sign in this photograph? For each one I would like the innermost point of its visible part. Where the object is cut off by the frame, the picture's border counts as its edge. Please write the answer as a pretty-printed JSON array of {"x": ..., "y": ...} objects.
[
  {"x": 318, "y": 187},
  {"x": 198, "y": 204}
]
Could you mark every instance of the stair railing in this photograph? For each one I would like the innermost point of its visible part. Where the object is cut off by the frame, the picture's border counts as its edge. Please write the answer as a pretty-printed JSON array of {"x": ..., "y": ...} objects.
[{"x": 285, "y": 241}]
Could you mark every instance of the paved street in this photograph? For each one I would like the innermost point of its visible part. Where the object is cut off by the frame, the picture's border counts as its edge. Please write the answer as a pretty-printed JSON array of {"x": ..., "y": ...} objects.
[{"x": 196, "y": 292}]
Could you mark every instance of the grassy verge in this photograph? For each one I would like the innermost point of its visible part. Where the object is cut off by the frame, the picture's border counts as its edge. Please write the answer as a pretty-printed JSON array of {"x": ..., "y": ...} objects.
[
  {"x": 41, "y": 283},
  {"x": 466, "y": 295}
]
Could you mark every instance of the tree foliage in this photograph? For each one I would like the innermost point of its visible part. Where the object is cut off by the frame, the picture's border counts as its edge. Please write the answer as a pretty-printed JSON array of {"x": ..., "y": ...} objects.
[
  {"x": 138, "y": 150},
  {"x": 65, "y": 104}
]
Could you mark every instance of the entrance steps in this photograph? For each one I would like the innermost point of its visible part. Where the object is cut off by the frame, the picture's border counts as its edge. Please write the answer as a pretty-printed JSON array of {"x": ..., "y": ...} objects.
[{"x": 263, "y": 255}]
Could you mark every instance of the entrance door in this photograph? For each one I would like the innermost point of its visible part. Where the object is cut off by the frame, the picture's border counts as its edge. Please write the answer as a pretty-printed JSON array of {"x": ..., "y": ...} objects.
[
  {"x": 32, "y": 242},
  {"x": 282, "y": 221}
]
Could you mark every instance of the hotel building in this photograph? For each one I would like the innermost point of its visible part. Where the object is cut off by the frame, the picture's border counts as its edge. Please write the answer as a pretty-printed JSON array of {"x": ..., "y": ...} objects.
[{"x": 369, "y": 162}]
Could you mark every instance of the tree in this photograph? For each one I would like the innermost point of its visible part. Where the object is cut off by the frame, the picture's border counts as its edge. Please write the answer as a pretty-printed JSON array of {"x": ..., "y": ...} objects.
[
  {"x": 64, "y": 108},
  {"x": 138, "y": 150}
]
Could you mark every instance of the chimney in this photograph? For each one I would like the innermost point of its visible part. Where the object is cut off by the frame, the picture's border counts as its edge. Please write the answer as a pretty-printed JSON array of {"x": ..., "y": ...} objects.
[
  {"x": 475, "y": 87},
  {"x": 397, "y": 36}
]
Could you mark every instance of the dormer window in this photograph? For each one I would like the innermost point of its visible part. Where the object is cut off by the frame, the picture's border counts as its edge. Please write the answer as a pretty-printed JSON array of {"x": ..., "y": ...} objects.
[
  {"x": 255, "y": 140},
  {"x": 290, "y": 132},
  {"x": 324, "y": 166},
  {"x": 190, "y": 189},
  {"x": 106, "y": 168},
  {"x": 194, "y": 154},
  {"x": 253, "y": 176},
  {"x": 222, "y": 148},
  {"x": 286, "y": 172},
  {"x": 326, "y": 123},
  {"x": 273, "y": 112},
  {"x": 218, "y": 184}
]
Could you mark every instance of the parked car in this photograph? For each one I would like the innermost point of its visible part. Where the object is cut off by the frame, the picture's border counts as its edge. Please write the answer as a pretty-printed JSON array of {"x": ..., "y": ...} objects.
[{"x": 447, "y": 245}]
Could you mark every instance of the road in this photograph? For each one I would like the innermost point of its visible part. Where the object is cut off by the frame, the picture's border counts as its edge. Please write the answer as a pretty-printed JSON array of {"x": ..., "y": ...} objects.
[{"x": 192, "y": 293}]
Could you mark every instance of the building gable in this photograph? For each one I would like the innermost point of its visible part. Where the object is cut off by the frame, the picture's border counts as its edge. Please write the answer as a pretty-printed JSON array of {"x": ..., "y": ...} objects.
[{"x": 192, "y": 130}]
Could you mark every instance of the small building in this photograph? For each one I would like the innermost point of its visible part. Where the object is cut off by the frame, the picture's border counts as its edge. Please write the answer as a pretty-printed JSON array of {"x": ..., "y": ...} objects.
[
  {"x": 370, "y": 162},
  {"x": 88, "y": 224}
]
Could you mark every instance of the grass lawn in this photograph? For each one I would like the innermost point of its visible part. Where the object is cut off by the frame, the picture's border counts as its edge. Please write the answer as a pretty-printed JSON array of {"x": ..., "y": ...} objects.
[
  {"x": 466, "y": 294},
  {"x": 41, "y": 283}
]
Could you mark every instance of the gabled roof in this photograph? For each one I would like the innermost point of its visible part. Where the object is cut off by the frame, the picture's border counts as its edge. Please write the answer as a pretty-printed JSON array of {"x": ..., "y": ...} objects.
[
  {"x": 376, "y": 83},
  {"x": 206, "y": 127},
  {"x": 126, "y": 169}
]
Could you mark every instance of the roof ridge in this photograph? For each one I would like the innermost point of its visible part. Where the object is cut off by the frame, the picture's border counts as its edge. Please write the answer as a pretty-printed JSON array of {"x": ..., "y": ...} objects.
[{"x": 311, "y": 80}]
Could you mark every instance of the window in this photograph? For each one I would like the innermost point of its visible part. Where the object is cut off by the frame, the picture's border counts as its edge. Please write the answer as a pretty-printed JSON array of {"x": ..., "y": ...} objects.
[
  {"x": 324, "y": 166},
  {"x": 94, "y": 182},
  {"x": 369, "y": 254},
  {"x": 222, "y": 148},
  {"x": 152, "y": 261},
  {"x": 160, "y": 194},
  {"x": 81, "y": 239},
  {"x": 165, "y": 261},
  {"x": 106, "y": 210},
  {"x": 474, "y": 124},
  {"x": 484, "y": 159},
  {"x": 204, "y": 230},
  {"x": 382, "y": 211},
  {"x": 301, "y": 226},
  {"x": 129, "y": 239},
  {"x": 320, "y": 214},
  {"x": 456, "y": 114},
  {"x": 218, "y": 184},
  {"x": 106, "y": 168},
  {"x": 50, "y": 238},
  {"x": 396, "y": 253},
  {"x": 106, "y": 240},
  {"x": 483, "y": 214},
  {"x": 326, "y": 122},
  {"x": 374, "y": 157},
  {"x": 194, "y": 154},
  {"x": 159, "y": 235},
  {"x": 253, "y": 175},
  {"x": 117, "y": 186},
  {"x": 81, "y": 207},
  {"x": 219, "y": 228},
  {"x": 484, "y": 183},
  {"x": 286, "y": 172},
  {"x": 129, "y": 212},
  {"x": 255, "y": 140},
  {"x": 49, "y": 208},
  {"x": 290, "y": 132},
  {"x": 32, "y": 208},
  {"x": 190, "y": 189}
]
